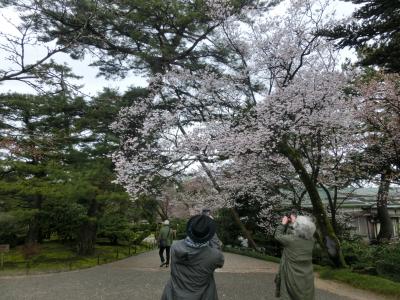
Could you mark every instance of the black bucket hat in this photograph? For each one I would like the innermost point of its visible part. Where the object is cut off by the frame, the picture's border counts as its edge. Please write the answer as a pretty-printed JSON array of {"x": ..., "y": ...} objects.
[{"x": 200, "y": 228}]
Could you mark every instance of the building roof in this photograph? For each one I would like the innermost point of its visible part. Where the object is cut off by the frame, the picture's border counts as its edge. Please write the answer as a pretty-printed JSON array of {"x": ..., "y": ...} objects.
[{"x": 359, "y": 198}]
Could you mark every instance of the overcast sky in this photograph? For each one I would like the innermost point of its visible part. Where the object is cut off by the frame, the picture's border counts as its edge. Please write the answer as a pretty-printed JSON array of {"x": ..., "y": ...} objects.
[{"x": 92, "y": 83}]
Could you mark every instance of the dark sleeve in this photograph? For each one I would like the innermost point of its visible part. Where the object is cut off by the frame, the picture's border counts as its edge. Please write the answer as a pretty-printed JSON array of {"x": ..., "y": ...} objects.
[{"x": 220, "y": 260}]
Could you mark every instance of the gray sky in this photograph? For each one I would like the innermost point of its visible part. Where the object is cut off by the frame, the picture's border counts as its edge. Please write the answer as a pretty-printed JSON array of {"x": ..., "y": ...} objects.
[{"x": 93, "y": 84}]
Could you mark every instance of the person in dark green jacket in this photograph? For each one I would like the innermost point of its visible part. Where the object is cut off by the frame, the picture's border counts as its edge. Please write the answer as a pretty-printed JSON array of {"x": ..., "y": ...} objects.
[
  {"x": 296, "y": 274},
  {"x": 165, "y": 241}
]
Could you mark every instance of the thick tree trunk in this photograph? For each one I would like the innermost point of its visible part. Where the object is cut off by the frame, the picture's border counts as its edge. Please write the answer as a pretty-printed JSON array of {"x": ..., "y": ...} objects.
[
  {"x": 243, "y": 228},
  {"x": 88, "y": 231},
  {"x": 334, "y": 222},
  {"x": 33, "y": 235},
  {"x": 332, "y": 206},
  {"x": 386, "y": 226},
  {"x": 330, "y": 241},
  {"x": 87, "y": 237}
]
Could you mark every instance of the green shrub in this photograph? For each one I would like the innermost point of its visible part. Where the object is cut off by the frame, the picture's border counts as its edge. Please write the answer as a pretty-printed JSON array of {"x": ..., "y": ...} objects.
[
  {"x": 115, "y": 227},
  {"x": 227, "y": 230},
  {"x": 13, "y": 228},
  {"x": 320, "y": 257},
  {"x": 144, "y": 227},
  {"x": 359, "y": 254},
  {"x": 62, "y": 218},
  {"x": 180, "y": 226},
  {"x": 383, "y": 260},
  {"x": 388, "y": 262},
  {"x": 388, "y": 270}
]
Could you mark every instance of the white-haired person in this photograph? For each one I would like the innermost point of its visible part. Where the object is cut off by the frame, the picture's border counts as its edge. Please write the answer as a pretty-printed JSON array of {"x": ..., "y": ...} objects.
[
  {"x": 295, "y": 280},
  {"x": 164, "y": 243}
]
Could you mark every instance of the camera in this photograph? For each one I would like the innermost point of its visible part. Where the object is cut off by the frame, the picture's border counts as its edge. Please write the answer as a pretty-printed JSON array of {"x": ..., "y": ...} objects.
[{"x": 290, "y": 213}]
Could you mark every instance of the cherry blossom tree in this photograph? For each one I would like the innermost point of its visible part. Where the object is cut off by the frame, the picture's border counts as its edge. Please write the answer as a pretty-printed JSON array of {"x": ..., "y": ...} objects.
[
  {"x": 276, "y": 99},
  {"x": 380, "y": 113}
]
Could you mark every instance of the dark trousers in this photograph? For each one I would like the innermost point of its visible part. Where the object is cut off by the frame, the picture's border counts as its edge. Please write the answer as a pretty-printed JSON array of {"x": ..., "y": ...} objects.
[{"x": 161, "y": 252}]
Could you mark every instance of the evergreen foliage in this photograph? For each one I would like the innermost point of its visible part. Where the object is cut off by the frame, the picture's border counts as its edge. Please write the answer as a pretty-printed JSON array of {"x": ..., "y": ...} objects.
[
  {"x": 142, "y": 35},
  {"x": 56, "y": 171},
  {"x": 374, "y": 32}
]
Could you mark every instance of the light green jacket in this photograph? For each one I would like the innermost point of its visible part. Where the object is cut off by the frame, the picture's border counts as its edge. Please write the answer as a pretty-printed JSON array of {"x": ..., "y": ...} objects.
[
  {"x": 296, "y": 269},
  {"x": 166, "y": 234}
]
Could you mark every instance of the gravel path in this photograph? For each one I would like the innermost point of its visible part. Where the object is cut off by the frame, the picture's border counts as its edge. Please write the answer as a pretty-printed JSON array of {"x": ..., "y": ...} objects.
[{"x": 140, "y": 278}]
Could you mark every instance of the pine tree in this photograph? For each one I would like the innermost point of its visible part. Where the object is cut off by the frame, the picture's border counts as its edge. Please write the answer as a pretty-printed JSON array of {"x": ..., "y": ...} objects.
[
  {"x": 374, "y": 33},
  {"x": 142, "y": 35},
  {"x": 56, "y": 171},
  {"x": 37, "y": 139}
]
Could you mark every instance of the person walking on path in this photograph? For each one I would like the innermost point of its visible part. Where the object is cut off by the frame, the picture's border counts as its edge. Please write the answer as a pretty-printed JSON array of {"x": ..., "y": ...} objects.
[
  {"x": 295, "y": 280},
  {"x": 165, "y": 242},
  {"x": 193, "y": 263}
]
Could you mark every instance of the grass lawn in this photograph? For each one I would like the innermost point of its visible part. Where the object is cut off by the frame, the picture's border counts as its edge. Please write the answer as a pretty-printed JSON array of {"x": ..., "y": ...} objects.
[
  {"x": 371, "y": 283},
  {"x": 55, "y": 257}
]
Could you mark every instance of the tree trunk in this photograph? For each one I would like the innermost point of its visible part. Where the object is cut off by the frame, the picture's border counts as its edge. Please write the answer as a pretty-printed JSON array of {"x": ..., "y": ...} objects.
[
  {"x": 87, "y": 237},
  {"x": 330, "y": 241},
  {"x": 386, "y": 226},
  {"x": 34, "y": 231},
  {"x": 243, "y": 228},
  {"x": 88, "y": 231},
  {"x": 332, "y": 206},
  {"x": 334, "y": 222},
  {"x": 235, "y": 214}
]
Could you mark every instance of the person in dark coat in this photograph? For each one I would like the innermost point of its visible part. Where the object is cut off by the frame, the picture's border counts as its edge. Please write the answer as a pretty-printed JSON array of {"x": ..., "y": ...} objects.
[
  {"x": 193, "y": 263},
  {"x": 296, "y": 269}
]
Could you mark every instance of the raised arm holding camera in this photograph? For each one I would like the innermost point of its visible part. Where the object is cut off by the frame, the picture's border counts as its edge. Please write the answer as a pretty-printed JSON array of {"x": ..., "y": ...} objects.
[{"x": 295, "y": 280}]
